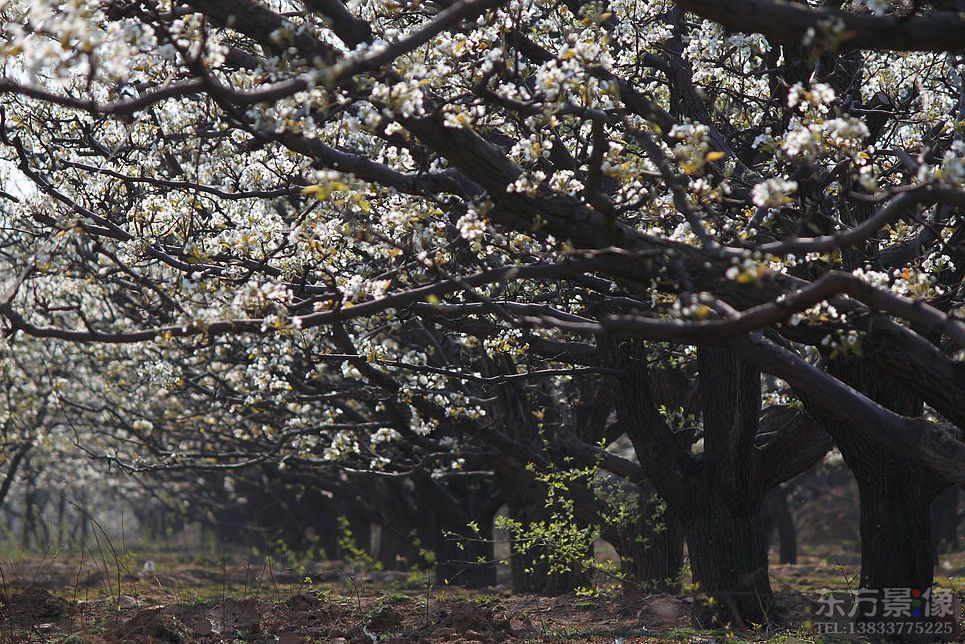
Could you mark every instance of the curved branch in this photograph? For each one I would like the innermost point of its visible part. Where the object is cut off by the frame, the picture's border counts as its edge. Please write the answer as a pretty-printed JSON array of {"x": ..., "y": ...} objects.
[
  {"x": 120, "y": 108},
  {"x": 789, "y": 22},
  {"x": 935, "y": 446},
  {"x": 827, "y": 287},
  {"x": 890, "y": 212}
]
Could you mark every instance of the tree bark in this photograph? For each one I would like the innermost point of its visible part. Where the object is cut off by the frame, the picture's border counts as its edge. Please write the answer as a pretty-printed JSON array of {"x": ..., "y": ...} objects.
[
  {"x": 396, "y": 548},
  {"x": 652, "y": 552},
  {"x": 12, "y": 470},
  {"x": 729, "y": 561},
  {"x": 725, "y": 529},
  {"x": 896, "y": 544},
  {"x": 530, "y": 562},
  {"x": 944, "y": 520},
  {"x": 718, "y": 494},
  {"x": 398, "y": 513},
  {"x": 895, "y": 492},
  {"x": 778, "y": 518},
  {"x": 464, "y": 556},
  {"x": 470, "y": 561}
]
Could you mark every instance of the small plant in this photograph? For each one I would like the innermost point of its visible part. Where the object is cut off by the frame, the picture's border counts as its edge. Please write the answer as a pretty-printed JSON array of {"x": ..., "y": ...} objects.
[
  {"x": 395, "y": 598},
  {"x": 352, "y": 552}
]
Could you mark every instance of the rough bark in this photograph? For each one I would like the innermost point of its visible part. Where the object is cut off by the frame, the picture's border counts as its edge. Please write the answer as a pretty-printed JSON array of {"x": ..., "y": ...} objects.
[
  {"x": 896, "y": 544},
  {"x": 895, "y": 492},
  {"x": 718, "y": 495},
  {"x": 725, "y": 532},
  {"x": 399, "y": 543},
  {"x": 652, "y": 550},
  {"x": 468, "y": 561},
  {"x": 729, "y": 561}
]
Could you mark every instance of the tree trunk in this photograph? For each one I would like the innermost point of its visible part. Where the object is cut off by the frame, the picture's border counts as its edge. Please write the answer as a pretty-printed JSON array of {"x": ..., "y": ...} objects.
[
  {"x": 778, "y": 518},
  {"x": 725, "y": 527},
  {"x": 397, "y": 550},
  {"x": 327, "y": 531},
  {"x": 398, "y": 515},
  {"x": 465, "y": 556},
  {"x": 12, "y": 471},
  {"x": 944, "y": 521},
  {"x": 716, "y": 493},
  {"x": 729, "y": 563},
  {"x": 470, "y": 561},
  {"x": 530, "y": 563},
  {"x": 29, "y": 514},
  {"x": 652, "y": 550},
  {"x": 896, "y": 544},
  {"x": 653, "y": 560},
  {"x": 895, "y": 493}
]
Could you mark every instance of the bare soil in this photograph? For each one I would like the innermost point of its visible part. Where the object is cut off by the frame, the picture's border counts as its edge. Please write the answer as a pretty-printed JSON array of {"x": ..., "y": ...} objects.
[{"x": 241, "y": 598}]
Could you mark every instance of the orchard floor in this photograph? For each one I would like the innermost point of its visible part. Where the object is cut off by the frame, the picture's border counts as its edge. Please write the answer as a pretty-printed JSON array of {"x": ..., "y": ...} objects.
[{"x": 63, "y": 597}]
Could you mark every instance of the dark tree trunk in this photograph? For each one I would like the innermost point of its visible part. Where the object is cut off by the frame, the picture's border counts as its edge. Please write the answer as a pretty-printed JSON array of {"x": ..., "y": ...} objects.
[
  {"x": 61, "y": 519},
  {"x": 327, "y": 530},
  {"x": 729, "y": 562},
  {"x": 397, "y": 550},
  {"x": 725, "y": 527},
  {"x": 530, "y": 561},
  {"x": 468, "y": 561},
  {"x": 532, "y": 573},
  {"x": 896, "y": 543},
  {"x": 464, "y": 556},
  {"x": 944, "y": 521},
  {"x": 398, "y": 515},
  {"x": 718, "y": 493},
  {"x": 12, "y": 471},
  {"x": 83, "y": 522},
  {"x": 29, "y": 513},
  {"x": 650, "y": 559},
  {"x": 652, "y": 549},
  {"x": 778, "y": 519},
  {"x": 44, "y": 526},
  {"x": 895, "y": 493}
]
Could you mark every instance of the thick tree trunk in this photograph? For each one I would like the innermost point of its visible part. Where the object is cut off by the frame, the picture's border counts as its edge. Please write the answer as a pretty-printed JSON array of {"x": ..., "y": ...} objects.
[
  {"x": 729, "y": 562},
  {"x": 531, "y": 560},
  {"x": 897, "y": 550},
  {"x": 325, "y": 523},
  {"x": 944, "y": 521},
  {"x": 468, "y": 561},
  {"x": 778, "y": 519},
  {"x": 651, "y": 559},
  {"x": 530, "y": 563},
  {"x": 398, "y": 516},
  {"x": 464, "y": 556},
  {"x": 896, "y": 544},
  {"x": 652, "y": 549},
  {"x": 725, "y": 527},
  {"x": 895, "y": 493},
  {"x": 716, "y": 494}
]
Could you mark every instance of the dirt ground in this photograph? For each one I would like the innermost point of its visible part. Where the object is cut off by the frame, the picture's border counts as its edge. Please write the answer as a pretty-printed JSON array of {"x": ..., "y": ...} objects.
[{"x": 241, "y": 597}]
